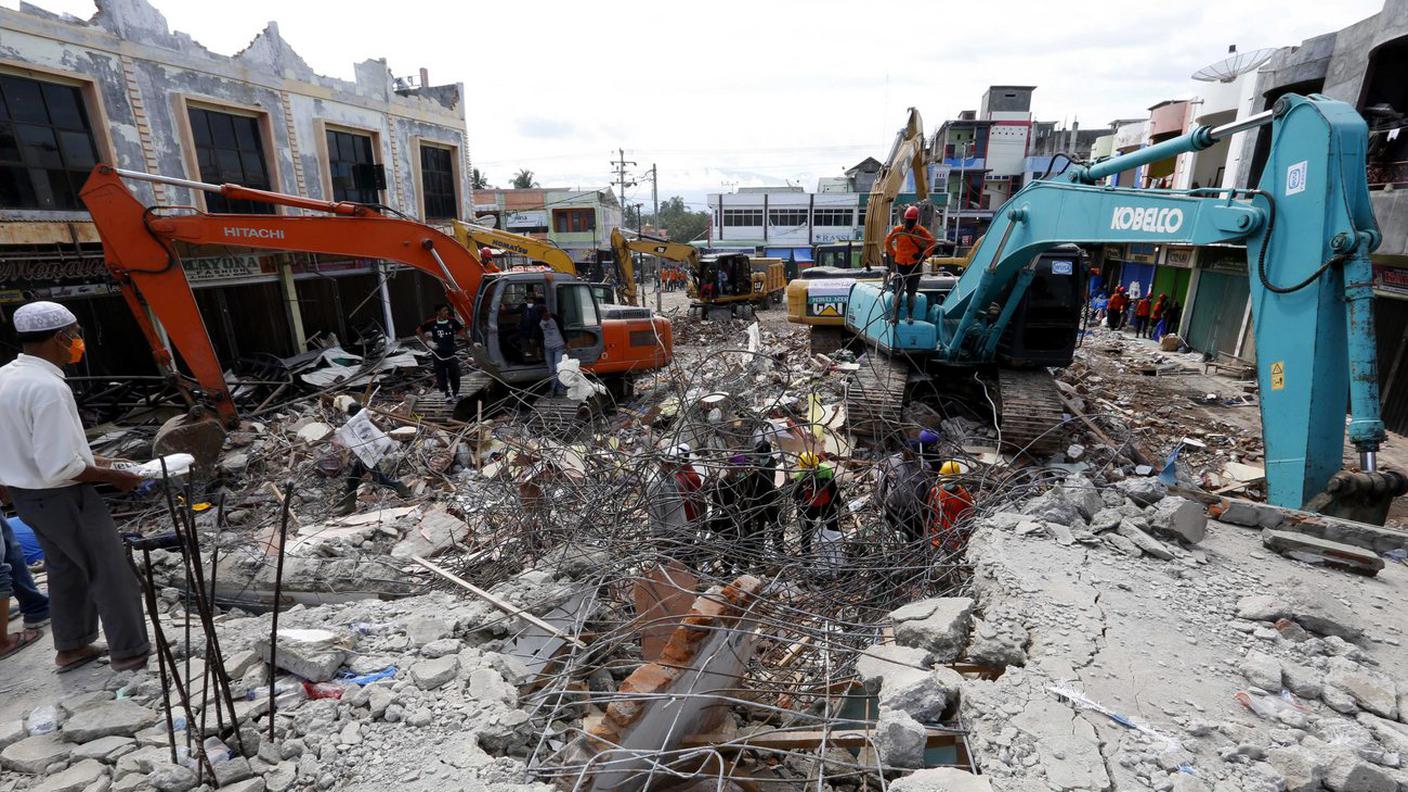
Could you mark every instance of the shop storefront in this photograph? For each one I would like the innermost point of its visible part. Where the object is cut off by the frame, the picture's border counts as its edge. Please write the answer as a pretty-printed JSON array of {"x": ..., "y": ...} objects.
[
  {"x": 1391, "y": 329},
  {"x": 1174, "y": 272},
  {"x": 1219, "y": 306}
]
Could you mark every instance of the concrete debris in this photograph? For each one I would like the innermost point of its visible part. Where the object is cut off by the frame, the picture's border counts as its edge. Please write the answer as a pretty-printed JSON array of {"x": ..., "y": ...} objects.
[
  {"x": 899, "y": 739},
  {"x": 1314, "y": 610},
  {"x": 1262, "y": 670},
  {"x": 899, "y": 665},
  {"x": 1144, "y": 491},
  {"x": 942, "y": 779},
  {"x": 1322, "y": 551},
  {"x": 312, "y": 654},
  {"x": 930, "y": 698},
  {"x": 1368, "y": 689},
  {"x": 33, "y": 755},
  {"x": 1144, "y": 542},
  {"x": 939, "y": 626},
  {"x": 1180, "y": 517}
]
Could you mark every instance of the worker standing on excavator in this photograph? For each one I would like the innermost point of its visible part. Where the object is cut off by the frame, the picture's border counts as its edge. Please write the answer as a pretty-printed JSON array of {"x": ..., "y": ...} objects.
[
  {"x": 438, "y": 335},
  {"x": 906, "y": 247}
]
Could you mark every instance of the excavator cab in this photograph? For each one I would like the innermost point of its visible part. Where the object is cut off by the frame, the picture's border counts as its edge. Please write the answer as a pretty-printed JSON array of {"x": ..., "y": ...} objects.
[
  {"x": 1046, "y": 325},
  {"x": 506, "y": 340}
]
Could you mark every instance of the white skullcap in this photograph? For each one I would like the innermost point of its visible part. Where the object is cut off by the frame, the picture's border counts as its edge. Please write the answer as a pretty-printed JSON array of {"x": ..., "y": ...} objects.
[{"x": 42, "y": 316}]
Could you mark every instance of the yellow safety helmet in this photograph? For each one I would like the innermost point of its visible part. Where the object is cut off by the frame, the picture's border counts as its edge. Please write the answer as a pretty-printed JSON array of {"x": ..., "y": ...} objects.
[
  {"x": 950, "y": 468},
  {"x": 807, "y": 459}
]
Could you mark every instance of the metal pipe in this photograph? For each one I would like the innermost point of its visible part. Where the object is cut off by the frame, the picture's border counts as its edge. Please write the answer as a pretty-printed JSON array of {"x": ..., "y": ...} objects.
[
  {"x": 1233, "y": 127},
  {"x": 1369, "y": 461},
  {"x": 187, "y": 183}
]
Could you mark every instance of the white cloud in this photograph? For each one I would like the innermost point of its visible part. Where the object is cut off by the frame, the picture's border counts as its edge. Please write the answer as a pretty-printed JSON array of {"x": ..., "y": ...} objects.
[{"x": 754, "y": 92}]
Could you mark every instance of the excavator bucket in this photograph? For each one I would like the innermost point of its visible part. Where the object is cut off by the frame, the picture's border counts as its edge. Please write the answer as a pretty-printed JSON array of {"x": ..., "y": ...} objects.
[
  {"x": 1362, "y": 497},
  {"x": 197, "y": 433}
]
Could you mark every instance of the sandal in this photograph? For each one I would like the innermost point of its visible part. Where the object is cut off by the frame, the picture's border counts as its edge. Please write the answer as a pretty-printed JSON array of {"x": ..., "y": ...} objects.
[
  {"x": 72, "y": 665},
  {"x": 22, "y": 640}
]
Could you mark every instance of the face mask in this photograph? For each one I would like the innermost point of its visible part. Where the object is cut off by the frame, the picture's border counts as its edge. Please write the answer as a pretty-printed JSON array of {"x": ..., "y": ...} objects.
[{"x": 76, "y": 349}]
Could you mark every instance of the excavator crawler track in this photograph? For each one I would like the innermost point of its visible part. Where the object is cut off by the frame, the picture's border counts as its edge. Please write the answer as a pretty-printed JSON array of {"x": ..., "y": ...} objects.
[
  {"x": 1032, "y": 413},
  {"x": 875, "y": 397},
  {"x": 435, "y": 408},
  {"x": 560, "y": 418}
]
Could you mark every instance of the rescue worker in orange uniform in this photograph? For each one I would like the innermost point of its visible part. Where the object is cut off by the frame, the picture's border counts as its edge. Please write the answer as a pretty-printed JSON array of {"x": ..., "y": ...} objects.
[
  {"x": 950, "y": 506},
  {"x": 906, "y": 247}
]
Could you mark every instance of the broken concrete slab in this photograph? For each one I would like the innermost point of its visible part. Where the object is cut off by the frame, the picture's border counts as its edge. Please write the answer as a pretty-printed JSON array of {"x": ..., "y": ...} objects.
[
  {"x": 900, "y": 665},
  {"x": 33, "y": 754},
  {"x": 941, "y": 779},
  {"x": 1301, "y": 769},
  {"x": 437, "y": 531},
  {"x": 1314, "y": 610},
  {"x": 1053, "y": 506},
  {"x": 899, "y": 739},
  {"x": 74, "y": 779},
  {"x": 1262, "y": 670},
  {"x": 930, "y": 698},
  {"x": 1146, "y": 543},
  {"x": 314, "y": 655},
  {"x": 122, "y": 717},
  {"x": 1369, "y": 689},
  {"x": 1143, "y": 490},
  {"x": 1312, "y": 550},
  {"x": 1082, "y": 493},
  {"x": 1375, "y": 538},
  {"x": 1304, "y": 681},
  {"x": 435, "y": 673},
  {"x": 999, "y": 640},
  {"x": 1180, "y": 517},
  {"x": 104, "y": 748},
  {"x": 939, "y": 625}
]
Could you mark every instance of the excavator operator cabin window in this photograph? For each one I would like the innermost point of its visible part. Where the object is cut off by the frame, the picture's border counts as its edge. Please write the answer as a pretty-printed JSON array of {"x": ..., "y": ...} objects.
[{"x": 576, "y": 307}]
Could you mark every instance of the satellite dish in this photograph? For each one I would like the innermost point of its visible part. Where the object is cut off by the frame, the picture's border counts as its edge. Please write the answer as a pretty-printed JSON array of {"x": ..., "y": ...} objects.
[{"x": 1234, "y": 66}]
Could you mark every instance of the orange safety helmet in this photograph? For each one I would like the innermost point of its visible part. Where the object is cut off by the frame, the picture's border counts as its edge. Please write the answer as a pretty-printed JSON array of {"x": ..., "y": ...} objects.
[{"x": 912, "y": 213}]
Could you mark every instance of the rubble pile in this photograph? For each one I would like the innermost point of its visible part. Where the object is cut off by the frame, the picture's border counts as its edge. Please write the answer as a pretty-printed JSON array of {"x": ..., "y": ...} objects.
[{"x": 523, "y": 617}]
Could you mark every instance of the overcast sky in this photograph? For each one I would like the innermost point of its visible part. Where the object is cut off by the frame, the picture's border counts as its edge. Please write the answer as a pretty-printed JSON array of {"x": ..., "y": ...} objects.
[{"x": 725, "y": 93}]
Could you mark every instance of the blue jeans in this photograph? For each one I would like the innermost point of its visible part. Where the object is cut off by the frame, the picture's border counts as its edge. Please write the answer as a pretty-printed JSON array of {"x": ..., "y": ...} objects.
[
  {"x": 553, "y": 355},
  {"x": 16, "y": 581}
]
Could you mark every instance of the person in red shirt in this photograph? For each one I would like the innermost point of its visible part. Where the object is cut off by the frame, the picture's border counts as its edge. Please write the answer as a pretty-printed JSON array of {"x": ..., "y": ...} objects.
[
  {"x": 1156, "y": 317},
  {"x": 1114, "y": 312},
  {"x": 950, "y": 509},
  {"x": 1141, "y": 316},
  {"x": 906, "y": 246}
]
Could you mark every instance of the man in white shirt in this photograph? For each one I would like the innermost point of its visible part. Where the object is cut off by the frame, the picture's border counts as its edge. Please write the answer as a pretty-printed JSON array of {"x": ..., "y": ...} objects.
[{"x": 46, "y": 464}]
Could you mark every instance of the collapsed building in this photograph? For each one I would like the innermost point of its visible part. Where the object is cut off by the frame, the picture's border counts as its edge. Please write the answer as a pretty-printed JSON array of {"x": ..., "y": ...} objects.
[{"x": 520, "y": 620}]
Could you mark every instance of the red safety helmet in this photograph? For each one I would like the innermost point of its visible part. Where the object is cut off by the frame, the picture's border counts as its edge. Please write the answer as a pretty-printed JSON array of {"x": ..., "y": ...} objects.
[
  {"x": 486, "y": 254},
  {"x": 912, "y": 213}
]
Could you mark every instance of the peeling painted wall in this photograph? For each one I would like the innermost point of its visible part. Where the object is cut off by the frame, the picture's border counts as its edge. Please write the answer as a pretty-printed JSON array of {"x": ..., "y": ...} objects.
[{"x": 131, "y": 39}]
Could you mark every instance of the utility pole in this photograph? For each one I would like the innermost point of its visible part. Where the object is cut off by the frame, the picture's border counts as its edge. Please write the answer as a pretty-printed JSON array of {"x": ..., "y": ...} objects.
[
  {"x": 620, "y": 164},
  {"x": 655, "y": 202},
  {"x": 639, "y": 231}
]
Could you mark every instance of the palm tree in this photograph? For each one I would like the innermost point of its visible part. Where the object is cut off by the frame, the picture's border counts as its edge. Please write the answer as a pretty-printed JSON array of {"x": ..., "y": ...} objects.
[
  {"x": 477, "y": 179},
  {"x": 524, "y": 179}
]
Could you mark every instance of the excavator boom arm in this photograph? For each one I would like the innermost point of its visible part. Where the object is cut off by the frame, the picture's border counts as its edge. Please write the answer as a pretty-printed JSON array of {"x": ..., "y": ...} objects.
[
  {"x": 623, "y": 246},
  {"x": 138, "y": 250},
  {"x": 471, "y": 235},
  {"x": 906, "y": 156},
  {"x": 1309, "y": 230}
]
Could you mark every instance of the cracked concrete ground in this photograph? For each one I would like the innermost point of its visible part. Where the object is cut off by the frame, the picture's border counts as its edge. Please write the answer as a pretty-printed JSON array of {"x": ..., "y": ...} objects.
[{"x": 1160, "y": 644}]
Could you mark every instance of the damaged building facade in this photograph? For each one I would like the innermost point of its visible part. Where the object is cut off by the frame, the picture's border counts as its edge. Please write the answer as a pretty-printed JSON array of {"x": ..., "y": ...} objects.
[{"x": 123, "y": 88}]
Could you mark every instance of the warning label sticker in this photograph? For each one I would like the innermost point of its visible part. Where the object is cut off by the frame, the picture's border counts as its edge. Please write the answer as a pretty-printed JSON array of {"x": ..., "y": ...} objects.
[{"x": 1278, "y": 375}]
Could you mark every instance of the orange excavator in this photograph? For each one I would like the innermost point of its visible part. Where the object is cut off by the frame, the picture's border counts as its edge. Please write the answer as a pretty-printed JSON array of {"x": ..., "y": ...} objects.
[{"x": 140, "y": 250}]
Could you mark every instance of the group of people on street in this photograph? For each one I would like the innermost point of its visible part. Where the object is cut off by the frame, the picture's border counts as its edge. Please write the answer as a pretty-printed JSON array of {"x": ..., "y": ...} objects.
[
  {"x": 48, "y": 475},
  {"x": 922, "y": 494},
  {"x": 1150, "y": 318},
  {"x": 672, "y": 279},
  {"x": 742, "y": 506}
]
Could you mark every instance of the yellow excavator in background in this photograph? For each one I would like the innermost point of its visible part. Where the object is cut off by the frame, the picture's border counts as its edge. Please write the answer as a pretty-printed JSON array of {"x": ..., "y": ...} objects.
[
  {"x": 818, "y": 298},
  {"x": 623, "y": 246},
  {"x": 476, "y": 236}
]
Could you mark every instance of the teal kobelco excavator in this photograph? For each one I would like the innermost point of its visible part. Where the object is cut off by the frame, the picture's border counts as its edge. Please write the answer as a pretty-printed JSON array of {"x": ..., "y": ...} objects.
[{"x": 1308, "y": 230}]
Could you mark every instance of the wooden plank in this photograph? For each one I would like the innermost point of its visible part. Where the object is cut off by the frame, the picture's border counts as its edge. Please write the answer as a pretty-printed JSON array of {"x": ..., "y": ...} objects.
[
  {"x": 498, "y": 603},
  {"x": 810, "y": 738}
]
